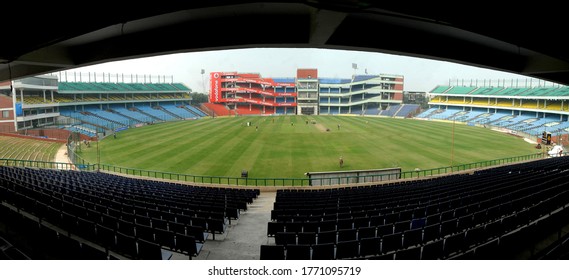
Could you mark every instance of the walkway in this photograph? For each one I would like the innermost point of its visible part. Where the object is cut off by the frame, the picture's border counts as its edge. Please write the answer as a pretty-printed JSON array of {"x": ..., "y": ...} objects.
[
  {"x": 61, "y": 156},
  {"x": 244, "y": 237}
]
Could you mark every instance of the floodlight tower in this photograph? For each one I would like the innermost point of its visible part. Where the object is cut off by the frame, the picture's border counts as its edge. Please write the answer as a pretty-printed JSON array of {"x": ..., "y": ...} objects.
[{"x": 203, "y": 80}]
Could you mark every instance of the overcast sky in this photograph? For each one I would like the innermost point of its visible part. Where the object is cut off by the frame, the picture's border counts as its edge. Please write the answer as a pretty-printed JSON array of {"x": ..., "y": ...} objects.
[{"x": 420, "y": 74}]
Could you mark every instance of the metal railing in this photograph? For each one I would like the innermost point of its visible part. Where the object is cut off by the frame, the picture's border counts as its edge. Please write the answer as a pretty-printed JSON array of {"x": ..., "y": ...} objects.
[
  {"x": 81, "y": 164},
  {"x": 41, "y": 164},
  {"x": 340, "y": 180}
]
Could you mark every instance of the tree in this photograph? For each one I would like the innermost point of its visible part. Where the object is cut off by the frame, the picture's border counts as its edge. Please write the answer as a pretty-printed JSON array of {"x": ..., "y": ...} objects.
[
  {"x": 416, "y": 98},
  {"x": 198, "y": 98}
]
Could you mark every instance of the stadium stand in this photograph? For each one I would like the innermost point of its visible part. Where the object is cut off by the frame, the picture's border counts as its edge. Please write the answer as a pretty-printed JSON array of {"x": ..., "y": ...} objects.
[
  {"x": 109, "y": 116},
  {"x": 9, "y": 252},
  {"x": 196, "y": 111},
  {"x": 513, "y": 108},
  {"x": 492, "y": 117},
  {"x": 217, "y": 109},
  {"x": 247, "y": 109},
  {"x": 89, "y": 118},
  {"x": 427, "y": 113},
  {"x": 391, "y": 110},
  {"x": 406, "y": 110},
  {"x": 179, "y": 111},
  {"x": 490, "y": 214},
  {"x": 399, "y": 110},
  {"x": 250, "y": 94},
  {"x": 132, "y": 114},
  {"x": 356, "y": 110},
  {"x": 49, "y": 102},
  {"x": 154, "y": 113},
  {"x": 444, "y": 114},
  {"x": 134, "y": 218},
  {"x": 468, "y": 116},
  {"x": 83, "y": 129}
]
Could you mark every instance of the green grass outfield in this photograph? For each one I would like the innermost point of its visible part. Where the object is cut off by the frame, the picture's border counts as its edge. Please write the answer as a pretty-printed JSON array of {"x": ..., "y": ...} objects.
[{"x": 225, "y": 146}]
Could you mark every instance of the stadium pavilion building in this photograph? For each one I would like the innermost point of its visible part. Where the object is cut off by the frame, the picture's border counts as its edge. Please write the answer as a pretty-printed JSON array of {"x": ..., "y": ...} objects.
[
  {"x": 49, "y": 105},
  {"x": 309, "y": 94},
  {"x": 522, "y": 108}
]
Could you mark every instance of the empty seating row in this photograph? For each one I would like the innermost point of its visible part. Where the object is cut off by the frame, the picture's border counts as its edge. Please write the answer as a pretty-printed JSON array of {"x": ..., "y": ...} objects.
[
  {"x": 105, "y": 208},
  {"x": 10, "y": 252},
  {"x": 416, "y": 204},
  {"x": 438, "y": 241},
  {"x": 41, "y": 242},
  {"x": 489, "y": 203}
]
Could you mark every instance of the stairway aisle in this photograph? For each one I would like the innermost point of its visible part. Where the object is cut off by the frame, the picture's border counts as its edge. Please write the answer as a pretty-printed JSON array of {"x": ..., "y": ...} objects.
[{"x": 244, "y": 237}]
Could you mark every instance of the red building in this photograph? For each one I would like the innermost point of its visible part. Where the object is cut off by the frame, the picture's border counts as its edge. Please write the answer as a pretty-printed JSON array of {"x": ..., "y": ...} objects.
[
  {"x": 249, "y": 93},
  {"x": 305, "y": 94}
]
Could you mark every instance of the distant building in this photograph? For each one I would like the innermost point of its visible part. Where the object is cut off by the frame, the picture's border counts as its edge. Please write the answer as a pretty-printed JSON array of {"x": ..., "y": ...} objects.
[
  {"x": 307, "y": 93},
  {"x": 97, "y": 104},
  {"x": 520, "y": 106},
  {"x": 416, "y": 97}
]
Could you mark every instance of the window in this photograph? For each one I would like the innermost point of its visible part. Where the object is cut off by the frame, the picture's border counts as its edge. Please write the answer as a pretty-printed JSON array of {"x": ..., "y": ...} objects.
[{"x": 5, "y": 114}]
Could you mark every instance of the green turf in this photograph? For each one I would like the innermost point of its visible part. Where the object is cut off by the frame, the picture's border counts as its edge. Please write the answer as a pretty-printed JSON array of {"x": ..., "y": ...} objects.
[{"x": 225, "y": 146}]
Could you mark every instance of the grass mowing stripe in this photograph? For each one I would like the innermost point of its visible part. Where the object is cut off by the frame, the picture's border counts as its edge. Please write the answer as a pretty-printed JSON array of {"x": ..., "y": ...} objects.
[
  {"x": 201, "y": 146},
  {"x": 203, "y": 162},
  {"x": 224, "y": 156},
  {"x": 286, "y": 146},
  {"x": 146, "y": 150},
  {"x": 246, "y": 155}
]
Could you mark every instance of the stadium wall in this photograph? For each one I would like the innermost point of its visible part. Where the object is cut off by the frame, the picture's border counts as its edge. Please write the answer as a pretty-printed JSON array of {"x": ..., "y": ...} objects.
[
  {"x": 215, "y": 87},
  {"x": 7, "y": 127},
  {"x": 398, "y": 95},
  {"x": 60, "y": 134},
  {"x": 33, "y": 137},
  {"x": 6, "y": 114},
  {"x": 307, "y": 73},
  {"x": 399, "y": 84},
  {"x": 6, "y": 105},
  {"x": 353, "y": 176}
]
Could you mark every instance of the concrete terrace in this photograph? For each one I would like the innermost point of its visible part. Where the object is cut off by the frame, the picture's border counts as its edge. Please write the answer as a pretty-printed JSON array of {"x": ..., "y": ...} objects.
[{"x": 243, "y": 238}]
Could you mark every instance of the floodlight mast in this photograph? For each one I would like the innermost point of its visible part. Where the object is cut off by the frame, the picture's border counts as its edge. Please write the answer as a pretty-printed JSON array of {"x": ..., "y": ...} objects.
[
  {"x": 452, "y": 145},
  {"x": 98, "y": 154}
]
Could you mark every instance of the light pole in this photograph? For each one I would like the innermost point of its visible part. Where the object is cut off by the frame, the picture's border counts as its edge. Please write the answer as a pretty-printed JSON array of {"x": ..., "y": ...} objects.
[
  {"x": 452, "y": 146},
  {"x": 203, "y": 80},
  {"x": 98, "y": 154}
]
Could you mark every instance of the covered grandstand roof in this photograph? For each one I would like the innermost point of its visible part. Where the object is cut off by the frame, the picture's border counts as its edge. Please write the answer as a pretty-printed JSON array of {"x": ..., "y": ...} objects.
[
  {"x": 80, "y": 87},
  {"x": 359, "y": 78},
  {"x": 538, "y": 92},
  {"x": 107, "y": 32},
  {"x": 284, "y": 80},
  {"x": 334, "y": 81}
]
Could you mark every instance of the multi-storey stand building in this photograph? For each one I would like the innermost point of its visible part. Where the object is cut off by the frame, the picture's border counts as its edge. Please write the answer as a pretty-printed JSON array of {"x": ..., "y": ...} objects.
[{"x": 308, "y": 94}]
